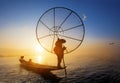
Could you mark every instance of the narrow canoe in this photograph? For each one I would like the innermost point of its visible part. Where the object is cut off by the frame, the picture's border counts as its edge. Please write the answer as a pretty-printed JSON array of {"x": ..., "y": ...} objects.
[{"x": 38, "y": 67}]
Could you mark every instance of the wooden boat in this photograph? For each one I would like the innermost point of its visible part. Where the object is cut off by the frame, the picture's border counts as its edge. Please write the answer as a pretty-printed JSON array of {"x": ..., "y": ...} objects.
[{"x": 38, "y": 67}]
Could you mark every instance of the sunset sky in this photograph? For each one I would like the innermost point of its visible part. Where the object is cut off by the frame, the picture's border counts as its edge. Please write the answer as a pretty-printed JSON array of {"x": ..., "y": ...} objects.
[{"x": 18, "y": 20}]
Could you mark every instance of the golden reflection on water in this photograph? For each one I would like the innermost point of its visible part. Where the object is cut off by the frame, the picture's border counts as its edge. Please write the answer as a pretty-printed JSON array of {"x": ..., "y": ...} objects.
[{"x": 39, "y": 59}]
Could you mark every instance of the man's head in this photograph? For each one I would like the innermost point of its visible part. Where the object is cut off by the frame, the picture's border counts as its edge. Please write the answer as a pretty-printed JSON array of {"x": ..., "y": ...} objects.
[
  {"x": 61, "y": 40},
  {"x": 22, "y": 57}
]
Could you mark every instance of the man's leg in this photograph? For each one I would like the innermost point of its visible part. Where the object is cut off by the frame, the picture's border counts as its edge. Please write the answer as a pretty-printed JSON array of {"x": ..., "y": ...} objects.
[{"x": 59, "y": 62}]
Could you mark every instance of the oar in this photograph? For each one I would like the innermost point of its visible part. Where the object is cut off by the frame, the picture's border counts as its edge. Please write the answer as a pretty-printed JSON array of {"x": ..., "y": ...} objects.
[
  {"x": 64, "y": 66},
  {"x": 65, "y": 69}
]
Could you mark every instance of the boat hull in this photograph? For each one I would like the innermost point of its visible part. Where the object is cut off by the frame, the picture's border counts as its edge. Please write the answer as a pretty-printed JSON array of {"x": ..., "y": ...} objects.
[{"x": 38, "y": 68}]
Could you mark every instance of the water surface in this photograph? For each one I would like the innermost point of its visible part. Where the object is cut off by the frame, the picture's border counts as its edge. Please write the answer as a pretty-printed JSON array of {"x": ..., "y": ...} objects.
[{"x": 80, "y": 69}]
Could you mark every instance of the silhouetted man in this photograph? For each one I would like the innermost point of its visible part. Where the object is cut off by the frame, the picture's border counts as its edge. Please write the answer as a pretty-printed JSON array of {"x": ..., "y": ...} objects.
[
  {"x": 22, "y": 59},
  {"x": 59, "y": 50}
]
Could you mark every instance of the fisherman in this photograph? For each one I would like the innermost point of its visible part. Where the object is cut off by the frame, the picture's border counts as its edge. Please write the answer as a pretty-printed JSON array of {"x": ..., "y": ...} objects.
[
  {"x": 22, "y": 59},
  {"x": 30, "y": 61},
  {"x": 59, "y": 50}
]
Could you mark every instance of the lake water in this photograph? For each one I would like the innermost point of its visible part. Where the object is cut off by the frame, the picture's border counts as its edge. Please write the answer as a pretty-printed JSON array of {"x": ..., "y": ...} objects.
[{"x": 80, "y": 69}]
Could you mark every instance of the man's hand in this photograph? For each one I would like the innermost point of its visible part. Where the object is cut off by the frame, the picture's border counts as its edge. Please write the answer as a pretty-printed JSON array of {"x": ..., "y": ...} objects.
[{"x": 64, "y": 48}]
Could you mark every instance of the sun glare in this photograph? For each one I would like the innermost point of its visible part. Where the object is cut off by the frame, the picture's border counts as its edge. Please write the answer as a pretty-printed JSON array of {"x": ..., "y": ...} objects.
[
  {"x": 39, "y": 53},
  {"x": 38, "y": 48}
]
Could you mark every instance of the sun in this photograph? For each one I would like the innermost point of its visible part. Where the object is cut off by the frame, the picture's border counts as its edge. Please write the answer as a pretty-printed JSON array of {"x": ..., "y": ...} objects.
[{"x": 38, "y": 48}]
